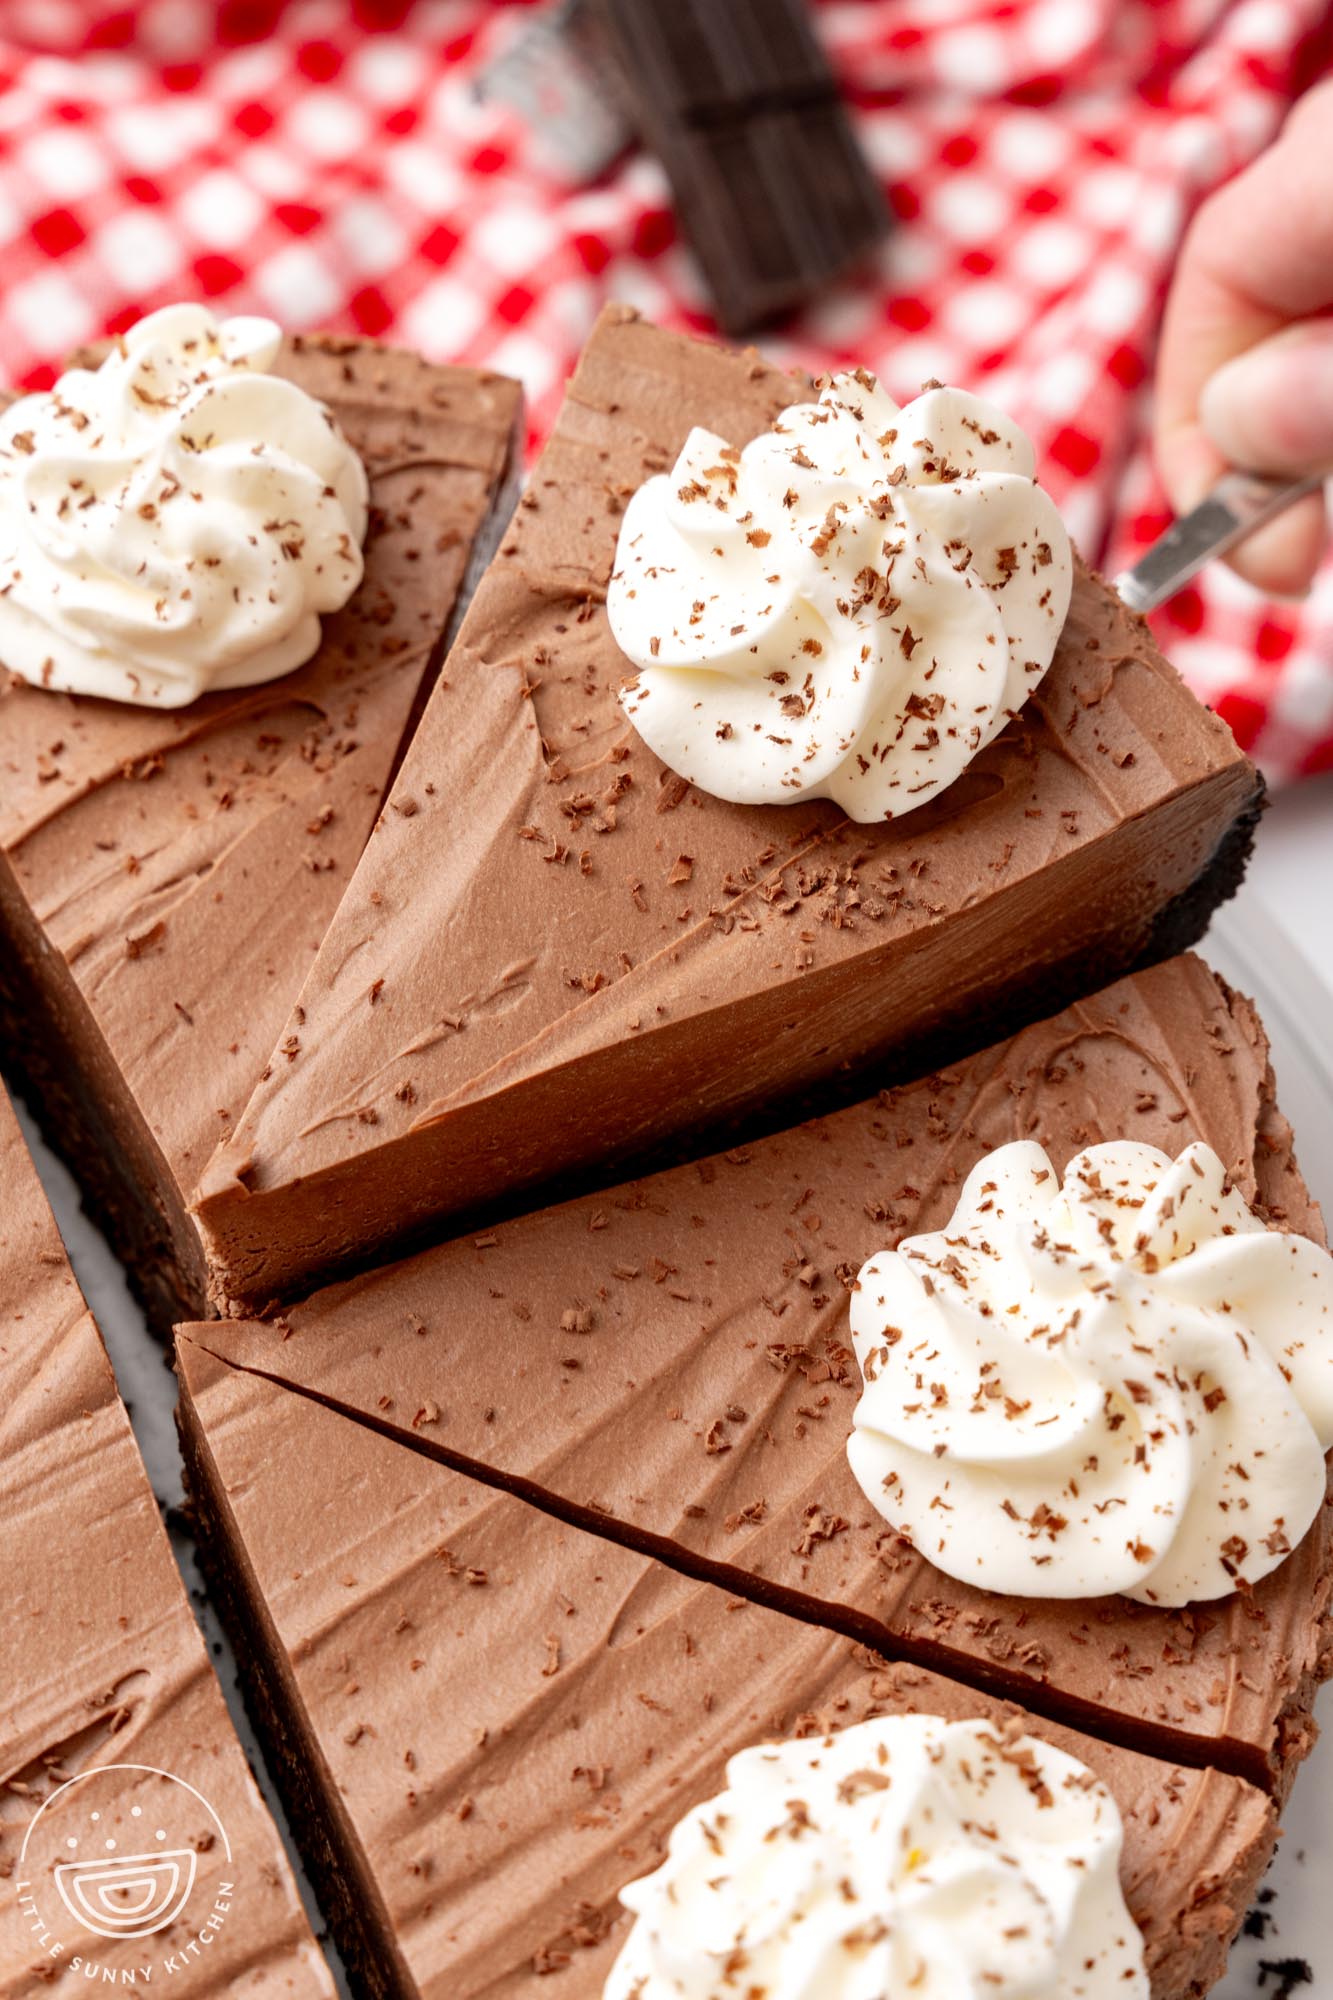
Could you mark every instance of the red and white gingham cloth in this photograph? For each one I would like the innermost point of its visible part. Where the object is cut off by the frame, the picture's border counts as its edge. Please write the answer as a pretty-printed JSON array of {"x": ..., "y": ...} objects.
[{"x": 325, "y": 162}]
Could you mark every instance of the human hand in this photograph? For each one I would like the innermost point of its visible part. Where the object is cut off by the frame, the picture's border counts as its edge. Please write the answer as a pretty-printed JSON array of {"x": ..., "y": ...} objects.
[{"x": 1245, "y": 372}]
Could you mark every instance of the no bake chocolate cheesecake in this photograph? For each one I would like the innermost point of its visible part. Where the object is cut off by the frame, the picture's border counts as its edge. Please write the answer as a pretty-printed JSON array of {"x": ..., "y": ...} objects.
[
  {"x": 671, "y": 1363},
  {"x": 167, "y": 873},
  {"x": 109, "y": 1705},
  {"x": 556, "y": 951},
  {"x": 489, "y": 1721}
]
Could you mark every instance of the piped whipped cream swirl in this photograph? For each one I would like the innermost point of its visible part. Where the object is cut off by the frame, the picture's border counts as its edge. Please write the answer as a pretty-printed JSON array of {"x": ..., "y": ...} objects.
[
  {"x": 850, "y": 608},
  {"x": 1119, "y": 1383},
  {"x": 175, "y": 520},
  {"x": 951, "y": 1861}
]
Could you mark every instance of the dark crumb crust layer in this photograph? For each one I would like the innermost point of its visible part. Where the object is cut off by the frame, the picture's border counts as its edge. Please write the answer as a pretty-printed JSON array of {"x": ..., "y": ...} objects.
[
  {"x": 118, "y": 1139},
  {"x": 505, "y": 1869},
  {"x": 1183, "y": 921}
]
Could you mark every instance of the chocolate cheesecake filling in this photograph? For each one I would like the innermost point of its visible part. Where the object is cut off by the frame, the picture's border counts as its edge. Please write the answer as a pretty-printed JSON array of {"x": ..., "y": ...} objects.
[
  {"x": 487, "y": 1721},
  {"x": 166, "y": 877},
  {"x": 670, "y": 1365},
  {"x": 557, "y": 953},
  {"x": 102, "y": 1664}
]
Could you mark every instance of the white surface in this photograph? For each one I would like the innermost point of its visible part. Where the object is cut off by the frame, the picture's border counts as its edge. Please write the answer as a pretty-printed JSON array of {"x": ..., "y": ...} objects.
[
  {"x": 1289, "y": 893},
  {"x": 1291, "y": 873}
]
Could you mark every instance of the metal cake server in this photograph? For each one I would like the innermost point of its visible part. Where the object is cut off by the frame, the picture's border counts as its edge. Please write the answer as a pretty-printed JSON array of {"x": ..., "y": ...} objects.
[{"x": 1238, "y": 504}]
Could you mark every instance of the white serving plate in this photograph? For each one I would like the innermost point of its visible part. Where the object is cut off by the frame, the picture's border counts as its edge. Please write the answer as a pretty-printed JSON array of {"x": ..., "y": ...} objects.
[{"x": 1252, "y": 951}]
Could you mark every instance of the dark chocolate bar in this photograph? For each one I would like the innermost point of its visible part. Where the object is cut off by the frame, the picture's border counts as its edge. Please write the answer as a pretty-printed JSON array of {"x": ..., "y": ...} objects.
[
  {"x": 717, "y": 59},
  {"x": 738, "y": 102}
]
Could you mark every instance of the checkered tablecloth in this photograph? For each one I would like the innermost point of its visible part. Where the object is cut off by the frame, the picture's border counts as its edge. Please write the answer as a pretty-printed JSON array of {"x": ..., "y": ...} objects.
[{"x": 326, "y": 162}]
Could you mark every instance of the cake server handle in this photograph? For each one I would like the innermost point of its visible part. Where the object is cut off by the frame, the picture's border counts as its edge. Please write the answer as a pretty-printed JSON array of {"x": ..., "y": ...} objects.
[{"x": 1238, "y": 504}]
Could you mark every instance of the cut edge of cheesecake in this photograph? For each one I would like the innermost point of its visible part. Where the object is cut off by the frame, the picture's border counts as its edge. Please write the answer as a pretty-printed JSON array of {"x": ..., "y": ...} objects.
[
  {"x": 393, "y": 1120},
  {"x": 54, "y": 1047},
  {"x": 380, "y": 1370},
  {"x": 105, "y": 1664},
  {"x": 629, "y": 1669},
  {"x": 266, "y": 1245}
]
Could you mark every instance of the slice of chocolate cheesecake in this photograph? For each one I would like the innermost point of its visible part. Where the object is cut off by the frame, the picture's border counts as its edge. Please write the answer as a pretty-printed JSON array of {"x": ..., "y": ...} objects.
[
  {"x": 167, "y": 875},
  {"x": 110, "y": 1710},
  {"x": 489, "y": 1721},
  {"x": 671, "y": 1363},
  {"x": 557, "y": 952}
]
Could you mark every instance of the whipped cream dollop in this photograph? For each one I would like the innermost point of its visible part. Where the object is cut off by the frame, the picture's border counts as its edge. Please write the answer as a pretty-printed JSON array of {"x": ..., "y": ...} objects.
[
  {"x": 175, "y": 520},
  {"x": 1122, "y": 1382},
  {"x": 850, "y": 608},
  {"x": 905, "y": 1855}
]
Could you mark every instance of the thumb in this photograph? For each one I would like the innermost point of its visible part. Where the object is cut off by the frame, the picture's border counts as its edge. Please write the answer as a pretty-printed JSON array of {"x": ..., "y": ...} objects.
[{"x": 1271, "y": 409}]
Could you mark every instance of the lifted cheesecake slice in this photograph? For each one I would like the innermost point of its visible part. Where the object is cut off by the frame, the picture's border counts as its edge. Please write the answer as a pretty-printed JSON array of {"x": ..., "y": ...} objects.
[{"x": 557, "y": 953}]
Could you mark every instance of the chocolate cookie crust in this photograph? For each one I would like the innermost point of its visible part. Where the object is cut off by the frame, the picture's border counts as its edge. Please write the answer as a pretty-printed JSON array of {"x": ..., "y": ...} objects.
[{"x": 556, "y": 952}]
